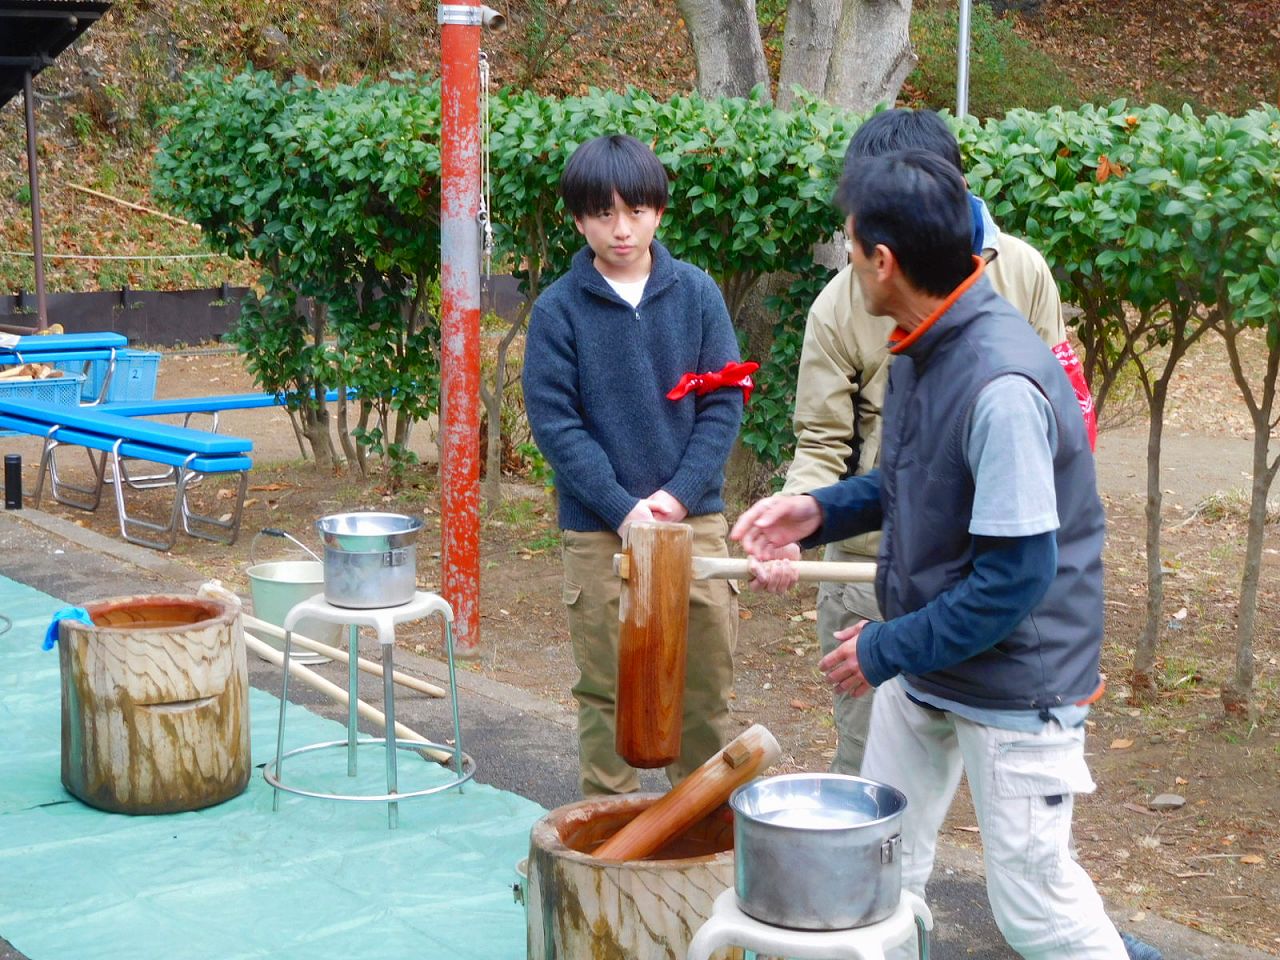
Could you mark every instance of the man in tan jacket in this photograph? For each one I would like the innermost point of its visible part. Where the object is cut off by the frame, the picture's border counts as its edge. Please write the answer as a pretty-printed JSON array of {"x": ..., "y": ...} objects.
[{"x": 844, "y": 368}]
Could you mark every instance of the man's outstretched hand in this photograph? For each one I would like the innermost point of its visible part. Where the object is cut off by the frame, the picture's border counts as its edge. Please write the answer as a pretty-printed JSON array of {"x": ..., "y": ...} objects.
[{"x": 771, "y": 525}]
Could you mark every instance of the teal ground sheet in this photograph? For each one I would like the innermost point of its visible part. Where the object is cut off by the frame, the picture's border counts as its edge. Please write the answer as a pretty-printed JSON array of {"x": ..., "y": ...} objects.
[{"x": 319, "y": 879}]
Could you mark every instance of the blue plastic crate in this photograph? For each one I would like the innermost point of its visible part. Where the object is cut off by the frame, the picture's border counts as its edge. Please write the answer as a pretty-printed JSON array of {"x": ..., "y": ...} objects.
[
  {"x": 134, "y": 377},
  {"x": 63, "y": 390}
]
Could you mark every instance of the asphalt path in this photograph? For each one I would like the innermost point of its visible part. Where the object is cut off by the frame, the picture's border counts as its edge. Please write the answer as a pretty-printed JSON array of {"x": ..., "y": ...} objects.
[{"x": 520, "y": 743}]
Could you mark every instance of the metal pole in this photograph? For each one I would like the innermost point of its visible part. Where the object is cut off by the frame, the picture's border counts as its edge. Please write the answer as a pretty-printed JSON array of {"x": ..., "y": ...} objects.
[
  {"x": 962, "y": 60},
  {"x": 460, "y": 316},
  {"x": 33, "y": 175}
]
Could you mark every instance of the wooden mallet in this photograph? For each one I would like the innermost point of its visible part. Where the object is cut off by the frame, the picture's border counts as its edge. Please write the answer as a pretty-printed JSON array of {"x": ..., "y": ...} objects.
[
  {"x": 657, "y": 567},
  {"x": 744, "y": 758}
]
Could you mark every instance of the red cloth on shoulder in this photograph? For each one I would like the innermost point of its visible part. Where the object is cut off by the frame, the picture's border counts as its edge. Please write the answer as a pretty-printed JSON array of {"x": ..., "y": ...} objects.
[{"x": 731, "y": 375}]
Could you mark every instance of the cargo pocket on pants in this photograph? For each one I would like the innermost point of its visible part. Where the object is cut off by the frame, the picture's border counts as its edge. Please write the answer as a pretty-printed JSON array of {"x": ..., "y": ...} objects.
[
  {"x": 734, "y": 615},
  {"x": 585, "y": 644},
  {"x": 1035, "y": 781}
]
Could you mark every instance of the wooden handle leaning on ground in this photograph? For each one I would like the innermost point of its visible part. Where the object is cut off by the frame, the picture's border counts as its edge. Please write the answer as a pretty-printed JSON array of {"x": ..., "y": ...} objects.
[
  {"x": 335, "y": 692},
  {"x": 693, "y": 798},
  {"x": 736, "y": 568},
  {"x": 334, "y": 653}
]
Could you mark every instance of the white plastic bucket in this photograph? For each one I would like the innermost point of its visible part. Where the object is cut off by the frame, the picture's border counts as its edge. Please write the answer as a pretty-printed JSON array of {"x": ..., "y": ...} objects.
[{"x": 276, "y": 588}]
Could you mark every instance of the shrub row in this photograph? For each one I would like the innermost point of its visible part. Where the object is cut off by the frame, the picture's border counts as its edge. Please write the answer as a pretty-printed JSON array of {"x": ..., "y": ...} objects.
[{"x": 335, "y": 193}]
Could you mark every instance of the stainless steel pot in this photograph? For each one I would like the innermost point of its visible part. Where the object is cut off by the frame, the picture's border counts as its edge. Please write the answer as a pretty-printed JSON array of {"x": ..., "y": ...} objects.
[
  {"x": 817, "y": 851},
  {"x": 370, "y": 559}
]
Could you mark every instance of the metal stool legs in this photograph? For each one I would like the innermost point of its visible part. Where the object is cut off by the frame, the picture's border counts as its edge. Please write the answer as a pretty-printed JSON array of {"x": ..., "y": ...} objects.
[
  {"x": 384, "y": 620},
  {"x": 389, "y": 705},
  {"x": 458, "y": 755},
  {"x": 353, "y": 684}
]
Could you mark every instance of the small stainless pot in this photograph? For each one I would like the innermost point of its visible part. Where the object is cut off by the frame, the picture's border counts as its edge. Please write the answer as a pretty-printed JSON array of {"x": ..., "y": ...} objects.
[
  {"x": 370, "y": 559},
  {"x": 817, "y": 851}
]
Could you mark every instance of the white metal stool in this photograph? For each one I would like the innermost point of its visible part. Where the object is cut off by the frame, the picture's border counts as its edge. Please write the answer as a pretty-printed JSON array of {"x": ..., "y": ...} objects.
[
  {"x": 729, "y": 926},
  {"x": 384, "y": 620}
]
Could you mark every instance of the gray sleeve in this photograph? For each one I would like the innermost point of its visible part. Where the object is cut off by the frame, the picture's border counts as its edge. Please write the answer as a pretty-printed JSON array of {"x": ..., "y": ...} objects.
[{"x": 1009, "y": 447}]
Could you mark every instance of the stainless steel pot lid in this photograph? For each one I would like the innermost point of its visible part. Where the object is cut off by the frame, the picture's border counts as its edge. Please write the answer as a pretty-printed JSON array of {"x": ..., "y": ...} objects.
[
  {"x": 368, "y": 532},
  {"x": 817, "y": 801}
]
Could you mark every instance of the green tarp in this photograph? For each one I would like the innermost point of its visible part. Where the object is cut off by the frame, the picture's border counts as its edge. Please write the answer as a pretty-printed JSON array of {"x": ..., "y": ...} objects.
[{"x": 319, "y": 879}]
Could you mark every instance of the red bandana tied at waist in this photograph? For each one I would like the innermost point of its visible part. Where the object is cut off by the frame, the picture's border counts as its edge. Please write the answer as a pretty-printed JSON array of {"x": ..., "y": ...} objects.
[{"x": 732, "y": 375}]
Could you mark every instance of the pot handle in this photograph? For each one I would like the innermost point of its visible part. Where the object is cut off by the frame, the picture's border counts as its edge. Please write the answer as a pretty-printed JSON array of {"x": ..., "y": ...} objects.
[
  {"x": 891, "y": 849},
  {"x": 274, "y": 532}
]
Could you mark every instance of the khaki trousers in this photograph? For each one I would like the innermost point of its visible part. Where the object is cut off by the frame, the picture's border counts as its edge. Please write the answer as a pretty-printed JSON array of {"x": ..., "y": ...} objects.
[
  {"x": 591, "y": 594},
  {"x": 842, "y": 605}
]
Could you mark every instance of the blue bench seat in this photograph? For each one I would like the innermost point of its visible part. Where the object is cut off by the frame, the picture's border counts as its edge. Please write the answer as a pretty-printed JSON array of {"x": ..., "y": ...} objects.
[
  {"x": 209, "y": 405},
  {"x": 67, "y": 341},
  {"x": 191, "y": 454}
]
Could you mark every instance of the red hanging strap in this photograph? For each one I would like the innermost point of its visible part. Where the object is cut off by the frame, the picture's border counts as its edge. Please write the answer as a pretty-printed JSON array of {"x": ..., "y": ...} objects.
[
  {"x": 1074, "y": 370},
  {"x": 731, "y": 375}
]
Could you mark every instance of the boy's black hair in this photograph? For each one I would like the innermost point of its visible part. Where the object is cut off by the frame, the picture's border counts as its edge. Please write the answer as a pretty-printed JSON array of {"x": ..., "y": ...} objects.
[
  {"x": 916, "y": 204},
  {"x": 609, "y": 164},
  {"x": 902, "y": 129}
]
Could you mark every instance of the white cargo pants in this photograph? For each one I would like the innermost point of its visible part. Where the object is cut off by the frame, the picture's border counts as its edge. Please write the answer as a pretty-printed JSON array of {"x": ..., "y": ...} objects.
[{"x": 1022, "y": 785}]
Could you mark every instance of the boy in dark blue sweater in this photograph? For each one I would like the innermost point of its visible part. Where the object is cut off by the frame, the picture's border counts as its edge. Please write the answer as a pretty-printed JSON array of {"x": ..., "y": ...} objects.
[{"x": 607, "y": 342}]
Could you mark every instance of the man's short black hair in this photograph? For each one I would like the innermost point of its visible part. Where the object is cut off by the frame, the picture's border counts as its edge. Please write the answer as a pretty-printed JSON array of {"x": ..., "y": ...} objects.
[
  {"x": 916, "y": 204},
  {"x": 903, "y": 129},
  {"x": 615, "y": 163}
]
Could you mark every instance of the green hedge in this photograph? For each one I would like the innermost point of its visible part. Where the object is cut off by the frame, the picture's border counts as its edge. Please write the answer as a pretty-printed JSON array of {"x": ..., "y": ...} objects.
[
  {"x": 335, "y": 192},
  {"x": 1167, "y": 215}
]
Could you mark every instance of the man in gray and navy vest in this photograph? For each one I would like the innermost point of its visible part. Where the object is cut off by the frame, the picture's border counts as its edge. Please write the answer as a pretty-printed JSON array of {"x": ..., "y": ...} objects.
[{"x": 990, "y": 565}]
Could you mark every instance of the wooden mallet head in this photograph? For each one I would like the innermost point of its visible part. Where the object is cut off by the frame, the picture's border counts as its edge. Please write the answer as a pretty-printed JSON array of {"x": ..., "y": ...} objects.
[{"x": 653, "y": 610}]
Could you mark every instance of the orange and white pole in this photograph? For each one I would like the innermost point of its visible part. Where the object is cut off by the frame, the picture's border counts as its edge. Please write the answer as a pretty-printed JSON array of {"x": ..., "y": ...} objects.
[{"x": 460, "y": 316}]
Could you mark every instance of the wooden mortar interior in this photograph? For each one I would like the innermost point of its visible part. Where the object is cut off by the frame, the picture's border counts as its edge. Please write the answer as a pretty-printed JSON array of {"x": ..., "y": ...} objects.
[
  {"x": 711, "y": 835},
  {"x": 152, "y": 612}
]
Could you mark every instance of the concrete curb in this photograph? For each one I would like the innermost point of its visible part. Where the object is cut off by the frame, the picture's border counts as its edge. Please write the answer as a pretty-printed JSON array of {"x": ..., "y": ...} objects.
[{"x": 158, "y": 564}]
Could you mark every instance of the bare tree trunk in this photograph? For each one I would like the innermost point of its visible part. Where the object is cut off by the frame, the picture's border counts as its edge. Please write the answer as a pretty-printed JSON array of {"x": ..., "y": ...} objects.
[
  {"x": 298, "y": 434},
  {"x": 491, "y": 488},
  {"x": 314, "y": 412},
  {"x": 806, "y": 47},
  {"x": 1143, "y": 680},
  {"x": 409, "y": 314},
  {"x": 362, "y": 424},
  {"x": 1185, "y": 328},
  {"x": 872, "y": 54},
  {"x": 746, "y": 476},
  {"x": 726, "y": 46},
  {"x": 315, "y": 427},
  {"x": 344, "y": 427},
  {"x": 1237, "y": 692}
]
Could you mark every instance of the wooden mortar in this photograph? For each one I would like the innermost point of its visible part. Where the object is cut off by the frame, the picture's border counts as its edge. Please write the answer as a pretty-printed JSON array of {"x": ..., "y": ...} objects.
[
  {"x": 581, "y": 906},
  {"x": 155, "y": 705}
]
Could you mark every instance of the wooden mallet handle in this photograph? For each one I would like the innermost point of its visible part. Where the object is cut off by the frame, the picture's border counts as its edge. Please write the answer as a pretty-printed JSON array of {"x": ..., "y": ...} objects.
[
  {"x": 754, "y": 750},
  {"x": 735, "y": 568}
]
